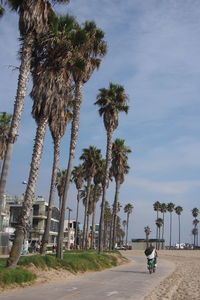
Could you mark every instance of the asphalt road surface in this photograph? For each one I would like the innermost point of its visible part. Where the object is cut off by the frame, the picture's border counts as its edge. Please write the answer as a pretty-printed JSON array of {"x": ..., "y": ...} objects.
[{"x": 129, "y": 281}]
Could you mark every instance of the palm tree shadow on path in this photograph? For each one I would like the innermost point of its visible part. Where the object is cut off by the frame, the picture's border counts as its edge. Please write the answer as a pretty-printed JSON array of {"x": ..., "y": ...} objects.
[{"x": 135, "y": 272}]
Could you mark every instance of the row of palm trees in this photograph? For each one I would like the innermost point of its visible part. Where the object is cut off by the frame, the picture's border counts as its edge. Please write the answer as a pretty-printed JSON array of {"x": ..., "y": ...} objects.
[
  {"x": 88, "y": 178},
  {"x": 195, "y": 213},
  {"x": 160, "y": 222},
  {"x": 61, "y": 56},
  {"x": 120, "y": 233}
]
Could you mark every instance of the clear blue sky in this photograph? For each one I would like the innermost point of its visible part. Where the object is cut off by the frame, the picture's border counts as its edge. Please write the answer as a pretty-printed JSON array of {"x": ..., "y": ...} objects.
[{"x": 154, "y": 52}]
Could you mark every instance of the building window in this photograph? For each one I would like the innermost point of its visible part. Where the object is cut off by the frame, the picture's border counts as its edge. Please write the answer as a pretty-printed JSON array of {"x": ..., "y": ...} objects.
[
  {"x": 35, "y": 223},
  {"x": 36, "y": 209}
]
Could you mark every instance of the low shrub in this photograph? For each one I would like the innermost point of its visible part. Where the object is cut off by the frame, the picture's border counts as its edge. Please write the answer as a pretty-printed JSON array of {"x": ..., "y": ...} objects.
[{"x": 18, "y": 275}]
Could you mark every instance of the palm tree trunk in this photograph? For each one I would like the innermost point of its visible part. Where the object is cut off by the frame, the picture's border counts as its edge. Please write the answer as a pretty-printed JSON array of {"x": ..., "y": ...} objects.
[
  {"x": 163, "y": 228},
  {"x": 110, "y": 233},
  {"x": 105, "y": 186},
  {"x": 170, "y": 237},
  {"x": 21, "y": 230},
  {"x": 105, "y": 240},
  {"x": 147, "y": 240},
  {"x": 157, "y": 233},
  {"x": 93, "y": 226},
  {"x": 195, "y": 235},
  {"x": 86, "y": 231},
  {"x": 77, "y": 213},
  {"x": 86, "y": 212},
  {"x": 60, "y": 201},
  {"x": 179, "y": 231},
  {"x": 45, "y": 238},
  {"x": 127, "y": 230},
  {"x": 117, "y": 188},
  {"x": 18, "y": 108},
  {"x": 159, "y": 238},
  {"x": 73, "y": 141},
  {"x": 4, "y": 174}
]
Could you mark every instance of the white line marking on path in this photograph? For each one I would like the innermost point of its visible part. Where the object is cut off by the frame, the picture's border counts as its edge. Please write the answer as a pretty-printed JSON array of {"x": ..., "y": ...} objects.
[
  {"x": 72, "y": 289},
  {"x": 112, "y": 293}
]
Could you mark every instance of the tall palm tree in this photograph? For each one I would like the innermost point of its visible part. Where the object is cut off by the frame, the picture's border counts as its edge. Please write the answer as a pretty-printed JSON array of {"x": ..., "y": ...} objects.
[
  {"x": 195, "y": 223},
  {"x": 170, "y": 209},
  {"x": 115, "y": 211},
  {"x": 159, "y": 223},
  {"x": 5, "y": 120},
  {"x": 96, "y": 196},
  {"x": 195, "y": 233},
  {"x": 163, "y": 210},
  {"x": 95, "y": 193},
  {"x": 51, "y": 55},
  {"x": 119, "y": 167},
  {"x": 108, "y": 225},
  {"x": 128, "y": 210},
  {"x": 99, "y": 181},
  {"x": 111, "y": 101},
  {"x": 147, "y": 231},
  {"x": 77, "y": 178},
  {"x": 119, "y": 231},
  {"x": 124, "y": 228},
  {"x": 157, "y": 206},
  {"x": 47, "y": 93},
  {"x": 89, "y": 47},
  {"x": 90, "y": 157},
  {"x": 88, "y": 212},
  {"x": 34, "y": 19},
  {"x": 59, "y": 117},
  {"x": 178, "y": 210},
  {"x": 86, "y": 201}
]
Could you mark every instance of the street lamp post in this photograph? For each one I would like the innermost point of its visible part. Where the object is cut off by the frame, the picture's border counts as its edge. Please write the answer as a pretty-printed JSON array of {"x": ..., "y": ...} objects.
[{"x": 69, "y": 211}]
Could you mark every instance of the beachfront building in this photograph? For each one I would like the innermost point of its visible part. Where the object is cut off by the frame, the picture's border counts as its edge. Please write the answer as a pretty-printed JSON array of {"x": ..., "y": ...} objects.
[
  {"x": 11, "y": 211},
  {"x": 38, "y": 216},
  {"x": 38, "y": 222},
  {"x": 141, "y": 244},
  {"x": 13, "y": 207},
  {"x": 69, "y": 233}
]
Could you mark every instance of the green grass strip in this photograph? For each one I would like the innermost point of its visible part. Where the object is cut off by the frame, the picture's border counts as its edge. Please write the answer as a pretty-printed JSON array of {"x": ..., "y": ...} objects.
[{"x": 74, "y": 261}]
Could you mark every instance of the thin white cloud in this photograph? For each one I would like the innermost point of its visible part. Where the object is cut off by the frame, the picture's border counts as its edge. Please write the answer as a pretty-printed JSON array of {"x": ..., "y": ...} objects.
[
  {"x": 172, "y": 188},
  {"x": 172, "y": 156}
]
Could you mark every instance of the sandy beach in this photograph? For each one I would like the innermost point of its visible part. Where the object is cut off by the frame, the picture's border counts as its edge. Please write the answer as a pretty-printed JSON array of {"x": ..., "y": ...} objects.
[{"x": 184, "y": 282}]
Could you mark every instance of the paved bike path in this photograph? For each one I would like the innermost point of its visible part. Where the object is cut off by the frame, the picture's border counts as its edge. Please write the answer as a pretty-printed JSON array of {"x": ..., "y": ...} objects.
[{"x": 130, "y": 281}]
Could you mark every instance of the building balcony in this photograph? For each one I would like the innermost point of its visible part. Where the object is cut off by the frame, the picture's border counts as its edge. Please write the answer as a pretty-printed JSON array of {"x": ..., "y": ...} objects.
[
  {"x": 36, "y": 229},
  {"x": 40, "y": 216}
]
